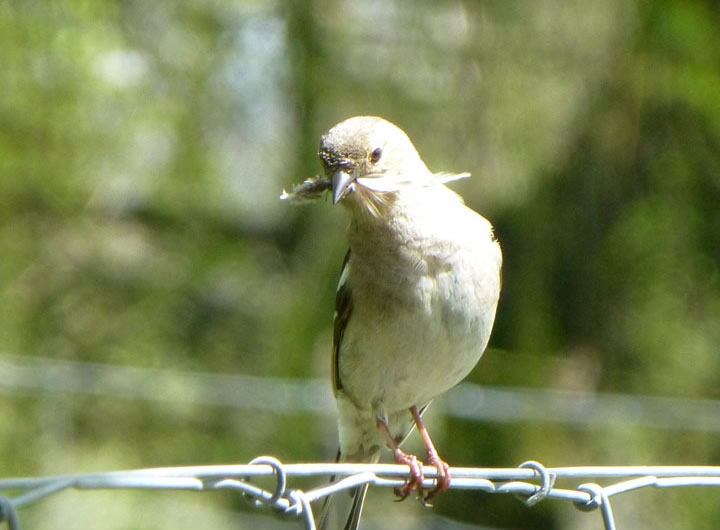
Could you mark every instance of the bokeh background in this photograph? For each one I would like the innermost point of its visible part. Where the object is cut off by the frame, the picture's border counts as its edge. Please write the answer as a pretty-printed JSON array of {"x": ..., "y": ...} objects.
[{"x": 160, "y": 306}]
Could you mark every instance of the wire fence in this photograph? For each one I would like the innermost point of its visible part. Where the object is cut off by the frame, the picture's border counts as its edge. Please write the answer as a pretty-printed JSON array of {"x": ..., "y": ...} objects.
[
  {"x": 20, "y": 374},
  {"x": 531, "y": 481},
  {"x": 588, "y": 488}
]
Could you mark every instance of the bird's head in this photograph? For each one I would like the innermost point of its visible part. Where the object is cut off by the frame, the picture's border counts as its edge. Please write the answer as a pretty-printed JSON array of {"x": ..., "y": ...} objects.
[{"x": 367, "y": 158}]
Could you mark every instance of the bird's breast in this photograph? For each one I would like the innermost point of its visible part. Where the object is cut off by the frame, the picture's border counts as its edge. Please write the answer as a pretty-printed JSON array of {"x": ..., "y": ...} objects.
[{"x": 423, "y": 308}]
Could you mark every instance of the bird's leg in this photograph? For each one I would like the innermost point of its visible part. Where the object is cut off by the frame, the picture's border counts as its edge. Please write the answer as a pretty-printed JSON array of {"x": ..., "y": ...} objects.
[
  {"x": 442, "y": 483},
  {"x": 401, "y": 457}
]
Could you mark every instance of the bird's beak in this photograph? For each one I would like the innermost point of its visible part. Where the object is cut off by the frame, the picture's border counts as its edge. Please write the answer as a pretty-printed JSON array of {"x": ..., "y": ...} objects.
[{"x": 341, "y": 185}]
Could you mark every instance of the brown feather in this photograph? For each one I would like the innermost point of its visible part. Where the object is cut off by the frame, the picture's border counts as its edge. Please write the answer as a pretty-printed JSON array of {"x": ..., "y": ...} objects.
[{"x": 343, "y": 310}]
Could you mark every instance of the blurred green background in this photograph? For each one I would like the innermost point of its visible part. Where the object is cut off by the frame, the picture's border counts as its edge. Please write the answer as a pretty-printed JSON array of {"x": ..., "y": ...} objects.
[{"x": 143, "y": 148}]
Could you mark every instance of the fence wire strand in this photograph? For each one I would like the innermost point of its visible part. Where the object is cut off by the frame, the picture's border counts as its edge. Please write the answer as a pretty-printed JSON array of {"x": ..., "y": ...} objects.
[
  {"x": 43, "y": 376},
  {"x": 531, "y": 481}
]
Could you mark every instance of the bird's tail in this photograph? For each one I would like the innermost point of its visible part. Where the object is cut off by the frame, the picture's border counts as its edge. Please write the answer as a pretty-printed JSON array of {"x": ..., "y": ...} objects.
[{"x": 344, "y": 506}]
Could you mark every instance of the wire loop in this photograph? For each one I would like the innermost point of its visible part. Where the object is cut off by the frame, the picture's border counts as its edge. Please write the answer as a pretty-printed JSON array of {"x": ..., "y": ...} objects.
[
  {"x": 279, "y": 472},
  {"x": 547, "y": 481},
  {"x": 595, "y": 501},
  {"x": 289, "y": 503},
  {"x": 598, "y": 499},
  {"x": 300, "y": 505}
]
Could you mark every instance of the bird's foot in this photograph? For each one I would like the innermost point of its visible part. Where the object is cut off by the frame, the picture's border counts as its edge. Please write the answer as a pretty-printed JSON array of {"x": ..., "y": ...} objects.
[
  {"x": 442, "y": 482},
  {"x": 417, "y": 476}
]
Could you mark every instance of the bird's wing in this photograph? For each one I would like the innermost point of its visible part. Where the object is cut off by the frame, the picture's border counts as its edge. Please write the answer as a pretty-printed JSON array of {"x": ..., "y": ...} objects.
[{"x": 343, "y": 310}]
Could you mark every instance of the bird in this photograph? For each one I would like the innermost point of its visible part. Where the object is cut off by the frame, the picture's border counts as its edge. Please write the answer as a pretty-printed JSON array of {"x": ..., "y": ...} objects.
[{"x": 415, "y": 302}]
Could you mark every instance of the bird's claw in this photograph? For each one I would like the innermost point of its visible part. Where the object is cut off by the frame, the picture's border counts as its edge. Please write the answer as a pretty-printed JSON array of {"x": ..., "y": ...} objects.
[
  {"x": 417, "y": 476},
  {"x": 442, "y": 482}
]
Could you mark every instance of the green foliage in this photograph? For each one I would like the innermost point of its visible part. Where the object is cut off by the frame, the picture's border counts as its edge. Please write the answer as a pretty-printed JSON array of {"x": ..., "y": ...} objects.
[{"x": 143, "y": 147}]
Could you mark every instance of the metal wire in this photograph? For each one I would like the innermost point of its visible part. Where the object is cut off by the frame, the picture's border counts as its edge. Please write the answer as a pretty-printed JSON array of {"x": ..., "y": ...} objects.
[
  {"x": 46, "y": 376},
  {"x": 531, "y": 481}
]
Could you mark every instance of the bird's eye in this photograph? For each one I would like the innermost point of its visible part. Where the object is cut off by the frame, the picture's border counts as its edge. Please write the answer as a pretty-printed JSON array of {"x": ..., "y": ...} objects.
[{"x": 375, "y": 155}]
